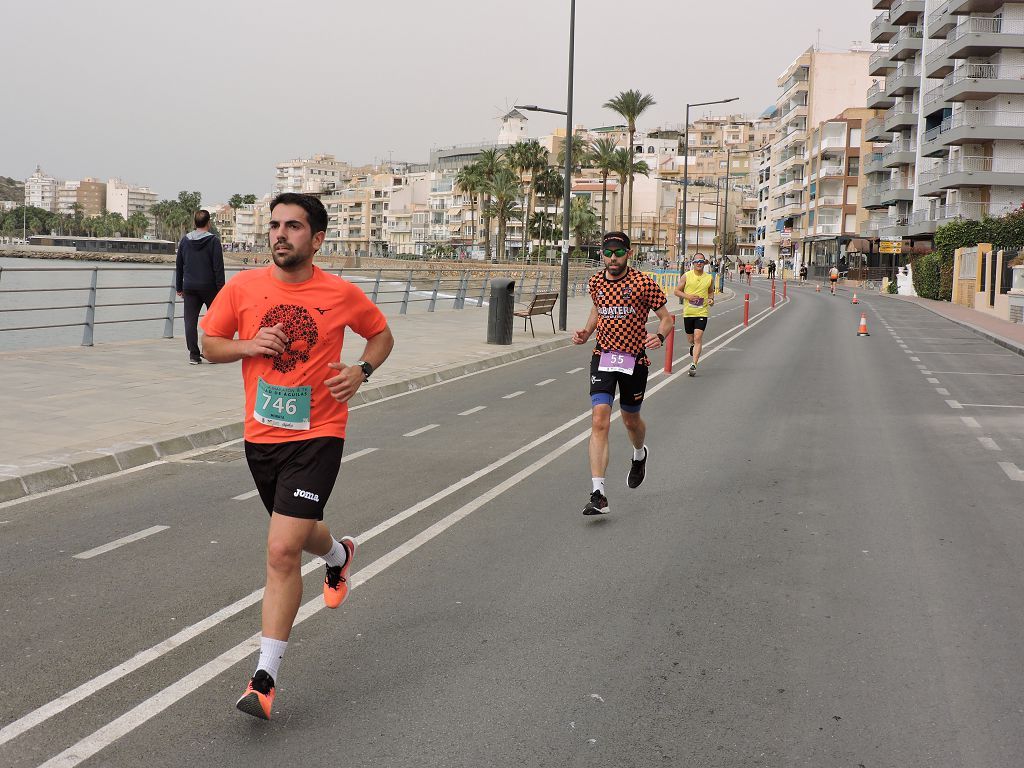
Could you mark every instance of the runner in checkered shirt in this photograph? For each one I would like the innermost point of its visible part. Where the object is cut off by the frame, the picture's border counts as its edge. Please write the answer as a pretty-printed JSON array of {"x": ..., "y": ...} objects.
[{"x": 623, "y": 299}]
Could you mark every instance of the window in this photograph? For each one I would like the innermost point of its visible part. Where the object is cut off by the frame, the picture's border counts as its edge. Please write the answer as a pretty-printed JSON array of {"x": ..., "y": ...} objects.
[{"x": 853, "y": 168}]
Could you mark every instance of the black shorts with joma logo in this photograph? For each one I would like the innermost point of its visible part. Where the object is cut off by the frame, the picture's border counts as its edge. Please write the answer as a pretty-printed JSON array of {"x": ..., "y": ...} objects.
[{"x": 295, "y": 479}]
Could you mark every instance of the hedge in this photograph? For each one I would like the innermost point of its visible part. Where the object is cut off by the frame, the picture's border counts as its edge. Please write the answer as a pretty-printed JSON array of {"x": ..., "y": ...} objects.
[{"x": 926, "y": 274}]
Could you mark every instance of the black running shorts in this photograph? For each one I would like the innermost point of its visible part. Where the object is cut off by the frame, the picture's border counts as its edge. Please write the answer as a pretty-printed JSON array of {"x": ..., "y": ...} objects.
[
  {"x": 631, "y": 386},
  {"x": 692, "y": 323},
  {"x": 295, "y": 479}
]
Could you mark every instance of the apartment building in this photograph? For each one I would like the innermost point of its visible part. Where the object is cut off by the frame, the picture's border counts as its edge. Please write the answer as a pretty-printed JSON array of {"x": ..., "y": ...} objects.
[
  {"x": 815, "y": 88},
  {"x": 41, "y": 191},
  {"x": 126, "y": 199},
  {"x": 89, "y": 194},
  {"x": 252, "y": 223},
  {"x": 833, "y": 214},
  {"x": 358, "y": 215},
  {"x": 318, "y": 174}
]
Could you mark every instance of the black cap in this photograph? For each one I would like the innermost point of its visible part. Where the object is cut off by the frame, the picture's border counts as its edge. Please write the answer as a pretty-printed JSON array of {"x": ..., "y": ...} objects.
[{"x": 615, "y": 240}]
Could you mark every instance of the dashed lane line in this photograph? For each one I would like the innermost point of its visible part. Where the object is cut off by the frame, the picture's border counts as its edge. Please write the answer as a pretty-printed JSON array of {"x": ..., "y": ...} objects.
[
  {"x": 971, "y": 422},
  {"x": 1012, "y": 471},
  {"x": 90, "y": 553},
  {"x": 942, "y": 391},
  {"x": 989, "y": 443},
  {"x": 953, "y": 404},
  {"x": 511, "y": 395},
  {"x": 545, "y": 382},
  {"x": 421, "y": 430},
  {"x": 473, "y": 410}
]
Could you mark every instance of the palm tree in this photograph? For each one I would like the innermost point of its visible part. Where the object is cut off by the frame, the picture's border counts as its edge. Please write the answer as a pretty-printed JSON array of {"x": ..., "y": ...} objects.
[
  {"x": 583, "y": 221},
  {"x": 489, "y": 162},
  {"x": 471, "y": 181},
  {"x": 504, "y": 204},
  {"x": 580, "y": 153},
  {"x": 602, "y": 157},
  {"x": 630, "y": 105},
  {"x": 550, "y": 188},
  {"x": 528, "y": 157}
]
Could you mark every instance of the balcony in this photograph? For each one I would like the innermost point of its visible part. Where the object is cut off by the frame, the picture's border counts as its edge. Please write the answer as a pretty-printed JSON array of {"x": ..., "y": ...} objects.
[
  {"x": 830, "y": 201},
  {"x": 975, "y": 211},
  {"x": 874, "y": 130},
  {"x": 922, "y": 222},
  {"x": 882, "y": 30},
  {"x": 896, "y": 190},
  {"x": 965, "y": 7},
  {"x": 877, "y": 97},
  {"x": 789, "y": 185},
  {"x": 900, "y": 115},
  {"x": 904, "y": 12},
  {"x": 938, "y": 62},
  {"x": 871, "y": 196},
  {"x": 972, "y": 172},
  {"x": 934, "y": 100},
  {"x": 873, "y": 163},
  {"x": 827, "y": 228},
  {"x": 879, "y": 63},
  {"x": 940, "y": 21},
  {"x": 899, "y": 153},
  {"x": 977, "y": 126},
  {"x": 831, "y": 172},
  {"x": 985, "y": 36},
  {"x": 894, "y": 226},
  {"x": 903, "y": 81},
  {"x": 881, "y": 5},
  {"x": 970, "y": 82},
  {"x": 907, "y": 43},
  {"x": 800, "y": 77}
]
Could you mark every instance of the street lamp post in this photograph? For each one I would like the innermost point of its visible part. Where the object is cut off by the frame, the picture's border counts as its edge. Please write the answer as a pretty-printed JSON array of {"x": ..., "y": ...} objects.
[
  {"x": 686, "y": 169},
  {"x": 563, "y": 298}
]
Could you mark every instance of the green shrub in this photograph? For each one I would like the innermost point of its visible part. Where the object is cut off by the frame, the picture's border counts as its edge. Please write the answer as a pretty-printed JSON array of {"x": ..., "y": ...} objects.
[
  {"x": 892, "y": 287},
  {"x": 927, "y": 278},
  {"x": 945, "y": 278}
]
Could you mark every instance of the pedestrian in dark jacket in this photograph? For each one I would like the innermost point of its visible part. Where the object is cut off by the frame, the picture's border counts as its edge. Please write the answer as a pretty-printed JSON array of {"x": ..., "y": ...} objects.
[{"x": 198, "y": 276}]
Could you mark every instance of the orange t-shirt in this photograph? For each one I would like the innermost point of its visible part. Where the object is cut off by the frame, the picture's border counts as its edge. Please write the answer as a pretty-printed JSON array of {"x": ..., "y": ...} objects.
[{"x": 314, "y": 314}]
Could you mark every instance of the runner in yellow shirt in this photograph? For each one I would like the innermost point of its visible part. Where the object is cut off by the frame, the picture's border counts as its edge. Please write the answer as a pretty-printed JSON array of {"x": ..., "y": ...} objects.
[{"x": 697, "y": 290}]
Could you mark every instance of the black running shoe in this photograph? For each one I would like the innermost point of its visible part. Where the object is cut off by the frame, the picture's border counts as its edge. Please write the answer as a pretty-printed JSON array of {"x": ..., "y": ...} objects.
[
  {"x": 194, "y": 360},
  {"x": 637, "y": 471},
  {"x": 598, "y": 504}
]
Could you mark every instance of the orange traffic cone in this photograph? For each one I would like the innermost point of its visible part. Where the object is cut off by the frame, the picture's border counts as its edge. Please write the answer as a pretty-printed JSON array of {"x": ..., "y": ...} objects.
[
  {"x": 863, "y": 330},
  {"x": 854, "y": 299}
]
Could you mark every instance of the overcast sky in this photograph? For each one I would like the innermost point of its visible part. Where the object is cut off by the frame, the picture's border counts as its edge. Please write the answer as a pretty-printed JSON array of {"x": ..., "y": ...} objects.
[{"x": 210, "y": 95}]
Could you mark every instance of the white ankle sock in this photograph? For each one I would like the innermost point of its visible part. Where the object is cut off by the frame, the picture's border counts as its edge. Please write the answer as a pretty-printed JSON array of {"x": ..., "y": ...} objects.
[
  {"x": 598, "y": 484},
  {"x": 639, "y": 453},
  {"x": 337, "y": 555},
  {"x": 271, "y": 653}
]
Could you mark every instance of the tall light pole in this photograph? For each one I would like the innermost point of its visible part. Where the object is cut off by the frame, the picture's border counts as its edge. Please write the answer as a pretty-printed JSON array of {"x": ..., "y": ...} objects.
[
  {"x": 563, "y": 298},
  {"x": 686, "y": 170}
]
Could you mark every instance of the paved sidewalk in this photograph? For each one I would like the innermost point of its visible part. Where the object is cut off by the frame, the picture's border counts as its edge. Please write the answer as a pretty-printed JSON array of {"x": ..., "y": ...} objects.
[{"x": 1002, "y": 332}]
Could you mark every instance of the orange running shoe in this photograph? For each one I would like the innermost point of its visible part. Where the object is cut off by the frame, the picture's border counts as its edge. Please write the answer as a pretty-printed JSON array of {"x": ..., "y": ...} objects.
[
  {"x": 336, "y": 581},
  {"x": 259, "y": 696}
]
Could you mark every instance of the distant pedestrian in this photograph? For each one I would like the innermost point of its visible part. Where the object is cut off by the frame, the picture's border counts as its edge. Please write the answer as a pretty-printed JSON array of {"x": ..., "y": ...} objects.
[
  {"x": 833, "y": 278},
  {"x": 771, "y": 269},
  {"x": 697, "y": 289},
  {"x": 750, "y": 271},
  {"x": 198, "y": 276},
  {"x": 803, "y": 273}
]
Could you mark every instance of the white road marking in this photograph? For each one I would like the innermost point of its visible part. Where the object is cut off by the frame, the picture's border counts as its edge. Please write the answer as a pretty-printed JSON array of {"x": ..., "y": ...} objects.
[
  {"x": 89, "y": 553},
  {"x": 980, "y": 373},
  {"x": 244, "y": 496},
  {"x": 915, "y": 359},
  {"x": 514, "y": 394},
  {"x": 925, "y": 371},
  {"x": 953, "y": 404},
  {"x": 989, "y": 443},
  {"x": 98, "y": 740},
  {"x": 942, "y": 391},
  {"x": 977, "y": 354},
  {"x": 933, "y": 381},
  {"x": 546, "y": 381},
  {"x": 990, "y": 405},
  {"x": 421, "y": 430},
  {"x": 574, "y": 370},
  {"x": 1012, "y": 471},
  {"x": 971, "y": 422},
  {"x": 473, "y": 410}
]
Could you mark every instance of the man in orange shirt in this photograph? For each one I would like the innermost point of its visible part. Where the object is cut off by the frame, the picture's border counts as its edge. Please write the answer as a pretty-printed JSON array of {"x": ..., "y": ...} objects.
[{"x": 290, "y": 319}]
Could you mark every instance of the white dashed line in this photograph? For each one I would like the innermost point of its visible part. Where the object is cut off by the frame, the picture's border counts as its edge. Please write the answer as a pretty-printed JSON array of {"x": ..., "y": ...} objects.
[
  {"x": 989, "y": 443},
  {"x": 1012, "y": 471},
  {"x": 121, "y": 542},
  {"x": 915, "y": 359},
  {"x": 514, "y": 394},
  {"x": 942, "y": 391},
  {"x": 970, "y": 422},
  {"x": 473, "y": 410},
  {"x": 933, "y": 381},
  {"x": 953, "y": 404},
  {"x": 421, "y": 430},
  {"x": 574, "y": 370},
  {"x": 546, "y": 381},
  {"x": 244, "y": 496}
]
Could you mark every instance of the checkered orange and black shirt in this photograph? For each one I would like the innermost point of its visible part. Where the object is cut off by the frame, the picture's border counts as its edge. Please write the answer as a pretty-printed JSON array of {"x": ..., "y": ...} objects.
[{"x": 623, "y": 307}]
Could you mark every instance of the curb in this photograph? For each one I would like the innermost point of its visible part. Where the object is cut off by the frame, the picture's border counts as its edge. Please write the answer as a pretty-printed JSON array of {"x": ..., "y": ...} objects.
[
  {"x": 1014, "y": 346},
  {"x": 63, "y": 470}
]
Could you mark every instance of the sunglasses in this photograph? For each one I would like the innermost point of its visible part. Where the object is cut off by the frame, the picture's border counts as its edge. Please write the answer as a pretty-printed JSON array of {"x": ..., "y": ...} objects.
[{"x": 617, "y": 252}]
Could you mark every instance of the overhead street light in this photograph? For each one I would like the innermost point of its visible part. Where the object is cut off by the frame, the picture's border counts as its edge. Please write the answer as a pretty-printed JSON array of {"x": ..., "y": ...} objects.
[
  {"x": 686, "y": 169},
  {"x": 563, "y": 305}
]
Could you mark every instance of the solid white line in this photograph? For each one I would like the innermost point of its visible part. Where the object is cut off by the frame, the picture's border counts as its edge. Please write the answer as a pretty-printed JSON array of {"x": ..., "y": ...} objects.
[
  {"x": 421, "y": 430},
  {"x": 989, "y": 443},
  {"x": 979, "y": 373},
  {"x": 514, "y": 394},
  {"x": 971, "y": 422},
  {"x": 942, "y": 391},
  {"x": 953, "y": 404},
  {"x": 976, "y": 354},
  {"x": 148, "y": 709},
  {"x": 546, "y": 381},
  {"x": 990, "y": 405},
  {"x": 89, "y": 553},
  {"x": 473, "y": 410},
  {"x": 1012, "y": 471}
]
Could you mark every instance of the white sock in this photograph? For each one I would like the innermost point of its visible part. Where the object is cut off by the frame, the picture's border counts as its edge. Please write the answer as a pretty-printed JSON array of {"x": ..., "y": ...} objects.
[
  {"x": 337, "y": 554},
  {"x": 598, "y": 484},
  {"x": 639, "y": 453},
  {"x": 271, "y": 653}
]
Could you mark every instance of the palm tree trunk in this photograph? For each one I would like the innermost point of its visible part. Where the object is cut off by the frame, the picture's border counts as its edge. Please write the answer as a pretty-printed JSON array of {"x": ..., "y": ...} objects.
[
  {"x": 487, "y": 228},
  {"x": 501, "y": 238},
  {"x": 604, "y": 201},
  {"x": 629, "y": 220}
]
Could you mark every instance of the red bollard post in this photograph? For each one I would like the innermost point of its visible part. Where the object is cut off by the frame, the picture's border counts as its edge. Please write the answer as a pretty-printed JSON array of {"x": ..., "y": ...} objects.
[
  {"x": 784, "y": 285},
  {"x": 773, "y": 294},
  {"x": 746, "y": 310},
  {"x": 670, "y": 345}
]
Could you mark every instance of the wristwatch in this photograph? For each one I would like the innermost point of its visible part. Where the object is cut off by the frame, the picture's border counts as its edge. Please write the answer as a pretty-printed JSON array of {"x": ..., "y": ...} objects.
[
  {"x": 367, "y": 369},
  {"x": 660, "y": 338}
]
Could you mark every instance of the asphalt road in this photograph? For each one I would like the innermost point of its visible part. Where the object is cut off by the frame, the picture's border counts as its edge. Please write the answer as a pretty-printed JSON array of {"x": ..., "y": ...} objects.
[{"x": 823, "y": 568}]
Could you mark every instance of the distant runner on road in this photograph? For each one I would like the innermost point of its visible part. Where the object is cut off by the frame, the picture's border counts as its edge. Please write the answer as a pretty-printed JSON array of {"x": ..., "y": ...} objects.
[
  {"x": 833, "y": 277},
  {"x": 623, "y": 298},
  {"x": 291, "y": 319},
  {"x": 697, "y": 290}
]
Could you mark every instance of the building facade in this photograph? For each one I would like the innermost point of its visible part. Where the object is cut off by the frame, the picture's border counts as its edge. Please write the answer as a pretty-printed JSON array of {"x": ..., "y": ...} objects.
[
  {"x": 41, "y": 191},
  {"x": 319, "y": 174},
  {"x": 126, "y": 199}
]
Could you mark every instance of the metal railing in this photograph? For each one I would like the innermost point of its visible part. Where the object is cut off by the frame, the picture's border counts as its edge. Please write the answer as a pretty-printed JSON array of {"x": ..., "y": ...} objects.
[
  {"x": 984, "y": 71},
  {"x": 386, "y": 286}
]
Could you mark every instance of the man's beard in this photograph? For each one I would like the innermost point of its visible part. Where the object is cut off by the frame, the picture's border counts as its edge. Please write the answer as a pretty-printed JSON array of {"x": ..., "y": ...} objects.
[
  {"x": 615, "y": 269},
  {"x": 289, "y": 260}
]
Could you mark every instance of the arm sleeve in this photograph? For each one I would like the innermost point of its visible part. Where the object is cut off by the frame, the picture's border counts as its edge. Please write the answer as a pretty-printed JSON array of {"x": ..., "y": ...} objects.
[
  {"x": 218, "y": 264},
  {"x": 179, "y": 265},
  {"x": 367, "y": 320}
]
